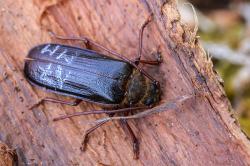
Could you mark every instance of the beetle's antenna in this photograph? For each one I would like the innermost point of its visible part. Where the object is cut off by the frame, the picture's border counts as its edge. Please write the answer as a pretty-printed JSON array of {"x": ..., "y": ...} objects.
[{"x": 98, "y": 112}]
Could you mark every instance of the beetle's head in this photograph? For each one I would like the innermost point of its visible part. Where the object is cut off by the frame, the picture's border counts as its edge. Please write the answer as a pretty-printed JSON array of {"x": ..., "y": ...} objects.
[{"x": 153, "y": 93}]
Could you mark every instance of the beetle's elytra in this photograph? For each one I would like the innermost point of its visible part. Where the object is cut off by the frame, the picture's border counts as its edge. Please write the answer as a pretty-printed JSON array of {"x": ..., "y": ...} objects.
[{"x": 91, "y": 76}]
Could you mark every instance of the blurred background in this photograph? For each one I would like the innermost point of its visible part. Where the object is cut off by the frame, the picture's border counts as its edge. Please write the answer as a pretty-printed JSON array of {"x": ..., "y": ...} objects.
[{"x": 224, "y": 29}]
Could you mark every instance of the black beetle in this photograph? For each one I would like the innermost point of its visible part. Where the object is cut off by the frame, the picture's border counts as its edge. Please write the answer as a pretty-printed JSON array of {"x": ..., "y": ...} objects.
[{"x": 90, "y": 76}]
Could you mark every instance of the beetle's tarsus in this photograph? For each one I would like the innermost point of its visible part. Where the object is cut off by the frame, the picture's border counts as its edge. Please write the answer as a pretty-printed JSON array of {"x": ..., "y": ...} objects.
[
  {"x": 84, "y": 143},
  {"x": 136, "y": 149}
]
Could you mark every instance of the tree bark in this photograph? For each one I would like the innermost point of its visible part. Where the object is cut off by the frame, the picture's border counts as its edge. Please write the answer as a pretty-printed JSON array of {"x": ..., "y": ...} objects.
[
  {"x": 7, "y": 155},
  {"x": 200, "y": 131}
]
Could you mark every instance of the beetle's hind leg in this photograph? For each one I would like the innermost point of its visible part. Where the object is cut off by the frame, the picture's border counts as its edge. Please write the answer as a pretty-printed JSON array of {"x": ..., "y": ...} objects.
[
  {"x": 47, "y": 99},
  {"x": 135, "y": 142},
  {"x": 99, "y": 124},
  {"x": 125, "y": 126},
  {"x": 86, "y": 135},
  {"x": 89, "y": 131}
]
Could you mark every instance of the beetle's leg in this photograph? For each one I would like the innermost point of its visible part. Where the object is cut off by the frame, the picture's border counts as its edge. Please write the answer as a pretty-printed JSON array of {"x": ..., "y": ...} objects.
[
  {"x": 87, "y": 40},
  {"x": 72, "y": 103},
  {"x": 135, "y": 141},
  {"x": 148, "y": 62},
  {"x": 86, "y": 135},
  {"x": 157, "y": 61},
  {"x": 138, "y": 58}
]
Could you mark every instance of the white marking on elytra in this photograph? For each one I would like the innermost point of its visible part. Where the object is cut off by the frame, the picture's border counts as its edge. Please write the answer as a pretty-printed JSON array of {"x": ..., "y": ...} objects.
[
  {"x": 66, "y": 77},
  {"x": 45, "y": 72},
  {"x": 65, "y": 56},
  {"x": 59, "y": 76},
  {"x": 48, "y": 49}
]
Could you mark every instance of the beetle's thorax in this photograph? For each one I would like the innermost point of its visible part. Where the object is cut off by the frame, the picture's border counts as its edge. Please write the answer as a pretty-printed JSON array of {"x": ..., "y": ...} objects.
[{"x": 140, "y": 91}]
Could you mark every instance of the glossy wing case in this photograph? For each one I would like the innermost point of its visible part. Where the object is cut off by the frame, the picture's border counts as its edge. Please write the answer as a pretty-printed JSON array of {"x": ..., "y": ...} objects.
[{"x": 77, "y": 72}]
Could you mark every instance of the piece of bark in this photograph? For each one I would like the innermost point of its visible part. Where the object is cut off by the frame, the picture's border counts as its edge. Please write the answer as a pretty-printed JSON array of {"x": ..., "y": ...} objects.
[
  {"x": 200, "y": 131},
  {"x": 8, "y": 156}
]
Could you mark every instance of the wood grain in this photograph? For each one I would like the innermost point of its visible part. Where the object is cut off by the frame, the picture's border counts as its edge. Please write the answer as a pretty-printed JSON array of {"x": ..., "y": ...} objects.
[
  {"x": 201, "y": 131},
  {"x": 7, "y": 155}
]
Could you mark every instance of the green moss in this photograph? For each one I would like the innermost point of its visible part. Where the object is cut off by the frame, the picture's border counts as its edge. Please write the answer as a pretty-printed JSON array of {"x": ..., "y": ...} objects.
[
  {"x": 245, "y": 125},
  {"x": 231, "y": 36},
  {"x": 227, "y": 71}
]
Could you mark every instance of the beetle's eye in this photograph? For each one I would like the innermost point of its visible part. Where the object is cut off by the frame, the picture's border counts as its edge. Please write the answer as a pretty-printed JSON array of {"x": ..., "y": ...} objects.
[{"x": 149, "y": 101}]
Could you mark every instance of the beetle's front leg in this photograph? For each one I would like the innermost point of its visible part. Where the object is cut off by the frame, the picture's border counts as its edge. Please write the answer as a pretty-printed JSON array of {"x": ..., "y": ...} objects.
[{"x": 157, "y": 61}]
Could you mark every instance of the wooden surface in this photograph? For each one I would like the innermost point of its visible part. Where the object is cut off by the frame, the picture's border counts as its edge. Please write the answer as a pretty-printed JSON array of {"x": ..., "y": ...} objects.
[
  {"x": 200, "y": 131},
  {"x": 7, "y": 155}
]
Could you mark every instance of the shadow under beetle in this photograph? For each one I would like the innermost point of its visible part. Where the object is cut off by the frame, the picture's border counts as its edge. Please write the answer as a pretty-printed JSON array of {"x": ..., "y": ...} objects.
[{"x": 93, "y": 77}]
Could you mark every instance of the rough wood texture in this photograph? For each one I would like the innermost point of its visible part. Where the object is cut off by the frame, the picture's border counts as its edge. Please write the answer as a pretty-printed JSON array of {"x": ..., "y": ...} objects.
[
  {"x": 7, "y": 155},
  {"x": 200, "y": 131}
]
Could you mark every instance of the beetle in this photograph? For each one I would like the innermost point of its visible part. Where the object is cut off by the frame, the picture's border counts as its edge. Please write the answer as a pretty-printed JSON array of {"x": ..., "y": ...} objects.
[{"x": 87, "y": 75}]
